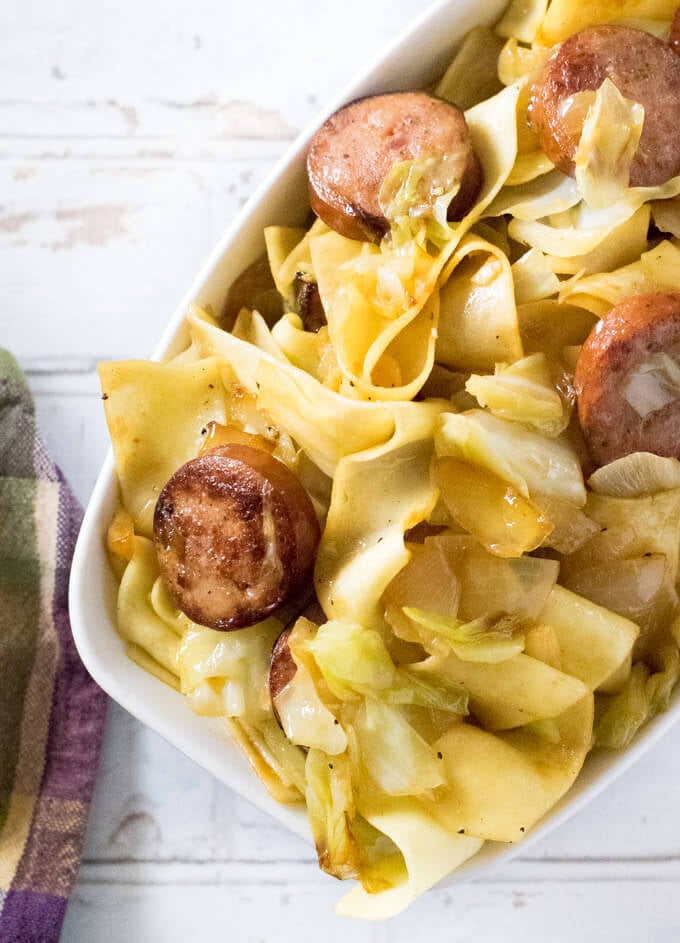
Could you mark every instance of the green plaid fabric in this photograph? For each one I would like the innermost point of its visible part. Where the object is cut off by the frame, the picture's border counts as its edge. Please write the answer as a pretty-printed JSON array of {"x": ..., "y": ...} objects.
[{"x": 51, "y": 712}]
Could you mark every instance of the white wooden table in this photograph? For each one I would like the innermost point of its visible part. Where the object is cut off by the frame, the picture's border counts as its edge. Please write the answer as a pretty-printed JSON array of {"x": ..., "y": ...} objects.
[{"x": 130, "y": 133}]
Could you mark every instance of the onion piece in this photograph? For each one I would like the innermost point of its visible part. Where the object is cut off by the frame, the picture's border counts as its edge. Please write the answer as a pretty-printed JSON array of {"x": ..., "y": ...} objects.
[
  {"x": 571, "y": 527},
  {"x": 427, "y": 581},
  {"x": 490, "y": 585},
  {"x": 482, "y": 640},
  {"x": 639, "y": 473},
  {"x": 492, "y": 510},
  {"x": 640, "y": 589}
]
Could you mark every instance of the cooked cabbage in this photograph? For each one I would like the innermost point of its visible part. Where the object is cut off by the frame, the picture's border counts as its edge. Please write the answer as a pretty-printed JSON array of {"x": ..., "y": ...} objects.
[
  {"x": 645, "y": 694},
  {"x": 305, "y": 719},
  {"x": 347, "y": 846},
  {"x": 397, "y": 759},
  {"x": 489, "y": 640},
  {"x": 527, "y": 392},
  {"x": 352, "y": 659},
  {"x": 653, "y": 384},
  {"x": 533, "y": 464},
  {"x": 609, "y": 139}
]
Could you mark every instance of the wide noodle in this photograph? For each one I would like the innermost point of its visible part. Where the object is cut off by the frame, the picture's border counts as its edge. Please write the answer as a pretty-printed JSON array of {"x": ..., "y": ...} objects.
[{"x": 492, "y": 610}]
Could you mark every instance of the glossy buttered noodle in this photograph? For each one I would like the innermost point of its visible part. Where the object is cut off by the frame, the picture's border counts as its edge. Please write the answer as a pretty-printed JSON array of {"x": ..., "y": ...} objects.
[{"x": 459, "y": 680}]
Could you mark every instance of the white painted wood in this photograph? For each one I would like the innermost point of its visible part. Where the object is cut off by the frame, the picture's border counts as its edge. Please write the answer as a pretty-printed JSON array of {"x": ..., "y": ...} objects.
[
  {"x": 253, "y": 909},
  {"x": 221, "y": 69},
  {"x": 130, "y": 134},
  {"x": 97, "y": 254}
]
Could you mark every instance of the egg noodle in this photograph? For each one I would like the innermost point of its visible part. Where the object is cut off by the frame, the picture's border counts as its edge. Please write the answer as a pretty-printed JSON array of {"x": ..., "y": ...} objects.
[{"x": 489, "y": 618}]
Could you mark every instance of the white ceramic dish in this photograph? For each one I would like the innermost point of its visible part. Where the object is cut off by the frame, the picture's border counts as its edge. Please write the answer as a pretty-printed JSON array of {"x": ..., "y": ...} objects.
[{"x": 413, "y": 60}]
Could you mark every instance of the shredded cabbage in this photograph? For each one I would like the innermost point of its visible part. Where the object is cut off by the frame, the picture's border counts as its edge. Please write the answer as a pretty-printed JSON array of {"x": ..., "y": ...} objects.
[
  {"x": 417, "y": 194},
  {"x": 527, "y": 392},
  {"x": 352, "y": 659},
  {"x": 645, "y": 694},
  {"x": 238, "y": 660},
  {"x": 530, "y": 462},
  {"x": 305, "y": 719},
  {"x": 347, "y": 846},
  {"x": 489, "y": 640},
  {"x": 609, "y": 139},
  {"x": 410, "y": 689},
  {"x": 398, "y": 760}
]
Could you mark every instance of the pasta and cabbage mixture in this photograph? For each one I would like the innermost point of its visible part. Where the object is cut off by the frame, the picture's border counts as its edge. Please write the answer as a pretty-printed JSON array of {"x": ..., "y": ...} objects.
[{"x": 494, "y": 593}]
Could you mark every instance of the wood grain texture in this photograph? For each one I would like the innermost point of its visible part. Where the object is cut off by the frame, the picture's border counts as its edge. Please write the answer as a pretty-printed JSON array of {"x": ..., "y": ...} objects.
[
  {"x": 560, "y": 911},
  {"x": 130, "y": 135}
]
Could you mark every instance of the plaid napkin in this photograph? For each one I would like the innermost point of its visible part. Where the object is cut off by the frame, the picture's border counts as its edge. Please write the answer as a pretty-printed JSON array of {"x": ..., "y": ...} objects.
[{"x": 51, "y": 712}]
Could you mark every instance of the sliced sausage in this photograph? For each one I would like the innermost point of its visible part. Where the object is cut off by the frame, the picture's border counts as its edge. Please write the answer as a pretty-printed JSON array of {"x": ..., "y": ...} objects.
[
  {"x": 674, "y": 38},
  {"x": 310, "y": 306},
  {"x": 235, "y": 534},
  {"x": 253, "y": 289},
  {"x": 351, "y": 155},
  {"x": 616, "y": 355},
  {"x": 642, "y": 67},
  {"x": 282, "y": 668}
]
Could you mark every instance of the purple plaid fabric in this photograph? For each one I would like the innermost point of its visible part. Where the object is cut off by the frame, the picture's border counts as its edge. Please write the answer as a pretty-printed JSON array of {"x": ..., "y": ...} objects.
[{"x": 51, "y": 712}]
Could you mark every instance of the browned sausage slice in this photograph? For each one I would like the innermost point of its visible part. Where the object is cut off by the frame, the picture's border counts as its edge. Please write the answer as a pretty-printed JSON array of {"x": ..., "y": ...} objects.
[
  {"x": 236, "y": 534},
  {"x": 674, "y": 38},
  {"x": 310, "y": 306},
  {"x": 282, "y": 668},
  {"x": 352, "y": 153},
  {"x": 617, "y": 356},
  {"x": 253, "y": 289},
  {"x": 642, "y": 67}
]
